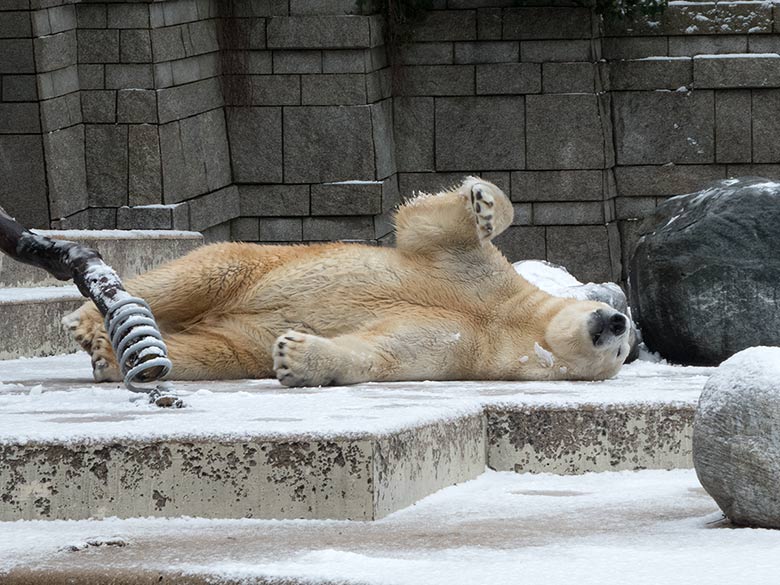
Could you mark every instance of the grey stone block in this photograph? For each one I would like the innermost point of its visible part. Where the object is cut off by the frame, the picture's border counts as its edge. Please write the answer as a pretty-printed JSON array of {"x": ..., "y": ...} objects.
[
  {"x": 244, "y": 229},
  {"x": 98, "y": 46},
  {"x": 446, "y": 25},
  {"x": 274, "y": 200},
  {"x": 91, "y": 77},
  {"x": 509, "y": 78},
  {"x": 148, "y": 218},
  {"x": 129, "y": 76},
  {"x": 19, "y": 118},
  {"x": 318, "y": 32},
  {"x": 483, "y": 133},
  {"x": 555, "y": 50},
  {"x": 731, "y": 71},
  {"x": 16, "y": 56},
  {"x": 523, "y": 214},
  {"x": 732, "y": 126},
  {"x": 583, "y": 250},
  {"x": 106, "y": 165},
  {"x": 244, "y": 33},
  {"x": 614, "y": 48},
  {"x": 16, "y": 25},
  {"x": 568, "y": 77},
  {"x": 558, "y": 186},
  {"x": 136, "y": 106},
  {"x": 766, "y": 126},
  {"x": 427, "y": 54},
  {"x": 413, "y": 120},
  {"x": 135, "y": 46},
  {"x": 55, "y": 51},
  {"x": 665, "y": 180},
  {"x": 255, "y": 136},
  {"x": 328, "y": 7},
  {"x": 134, "y": 15},
  {"x": 332, "y": 90},
  {"x": 489, "y": 23},
  {"x": 256, "y": 62},
  {"x": 522, "y": 243},
  {"x": 188, "y": 70},
  {"x": 707, "y": 45},
  {"x": 761, "y": 43},
  {"x": 347, "y": 61},
  {"x": 379, "y": 85},
  {"x": 213, "y": 208},
  {"x": 201, "y": 37},
  {"x": 487, "y": 52},
  {"x": 319, "y": 229},
  {"x": 98, "y": 107},
  {"x": 662, "y": 127},
  {"x": 663, "y": 73},
  {"x": 168, "y": 43},
  {"x": 634, "y": 207},
  {"x": 60, "y": 112},
  {"x": 347, "y": 198},
  {"x": 569, "y": 213},
  {"x": 410, "y": 184},
  {"x": 23, "y": 188},
  {"x": 274, "y": 90},
  {"x": 280, "y": 229},
  {"x": 178, "y": 11},
  {"x": 286, "y": 62},
  {"x": 382, "y": 135},
  {"x": 175, "y": 103},
  {"x": 67, "y": 176},
  {"x": 441, "y": 80},
  {"x": 56, "y": 83},
  {"x": 323, "y": 144},
  {"x": 217, "y": 233},
  {"x": 144, "y": 165},
  {"x": 91, "y": 15},
  {"x": 195, "y": 156},
  {"x": 770, "y": 171},
  {"x": 377, "y": 58},
  {"x": 564, "y": 132},
  {"x": 19, "y": 88},
  {"x": 547, "y": 23}
]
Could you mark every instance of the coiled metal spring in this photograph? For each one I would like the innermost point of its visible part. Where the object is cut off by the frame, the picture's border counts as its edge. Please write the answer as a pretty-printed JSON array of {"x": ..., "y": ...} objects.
[{"x": 137, "y": 343}]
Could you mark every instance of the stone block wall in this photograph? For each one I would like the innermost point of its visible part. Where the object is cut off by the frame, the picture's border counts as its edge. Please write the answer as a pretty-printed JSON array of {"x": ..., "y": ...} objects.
[{"x": 284, "y": 121}]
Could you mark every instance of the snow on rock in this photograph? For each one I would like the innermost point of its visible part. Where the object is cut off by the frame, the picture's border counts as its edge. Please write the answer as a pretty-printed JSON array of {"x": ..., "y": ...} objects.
[
  {"x": 736, "y": 442},
  {"x": 116, "y": 234},
  {"x": 39, "y": 294}
]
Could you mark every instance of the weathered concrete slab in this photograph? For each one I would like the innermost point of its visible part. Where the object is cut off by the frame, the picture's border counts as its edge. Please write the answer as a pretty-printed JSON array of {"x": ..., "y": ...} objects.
[{"x": 128, "y": 252}]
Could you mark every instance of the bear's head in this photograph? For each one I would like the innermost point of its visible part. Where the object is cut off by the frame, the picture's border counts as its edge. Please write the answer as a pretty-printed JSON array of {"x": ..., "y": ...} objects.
[{"x": 591, "y": 338}]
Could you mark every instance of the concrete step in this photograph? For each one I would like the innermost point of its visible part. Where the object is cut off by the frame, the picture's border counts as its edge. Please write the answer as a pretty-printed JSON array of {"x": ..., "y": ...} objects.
[
  {"x": 129, "y": 252},
  {"x": 72, "y": 449}
]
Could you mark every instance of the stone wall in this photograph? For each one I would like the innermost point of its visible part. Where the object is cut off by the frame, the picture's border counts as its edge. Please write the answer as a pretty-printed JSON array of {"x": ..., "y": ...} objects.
[{"x": 283, "y": 121}]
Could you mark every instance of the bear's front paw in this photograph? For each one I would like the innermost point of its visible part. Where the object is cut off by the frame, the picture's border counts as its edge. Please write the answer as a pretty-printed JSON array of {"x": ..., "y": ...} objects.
[
  {"x": 301, "y": 359},
  {"x": 85, "y": 324},
  {"x": 482, "y": 204}
]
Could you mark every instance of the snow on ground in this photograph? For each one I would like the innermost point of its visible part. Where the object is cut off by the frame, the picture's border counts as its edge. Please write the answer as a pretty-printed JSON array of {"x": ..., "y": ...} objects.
[
  {"x": 54, "y": 400},
  {"x": 640, "y": 528}
]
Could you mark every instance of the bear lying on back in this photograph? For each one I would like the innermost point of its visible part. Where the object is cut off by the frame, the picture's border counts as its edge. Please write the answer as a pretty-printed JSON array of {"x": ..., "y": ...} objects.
[{"x": 444, "y": 304}]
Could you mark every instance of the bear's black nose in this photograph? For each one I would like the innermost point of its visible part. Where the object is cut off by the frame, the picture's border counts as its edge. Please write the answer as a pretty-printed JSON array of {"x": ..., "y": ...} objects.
[{"x": 617, "y": 324}]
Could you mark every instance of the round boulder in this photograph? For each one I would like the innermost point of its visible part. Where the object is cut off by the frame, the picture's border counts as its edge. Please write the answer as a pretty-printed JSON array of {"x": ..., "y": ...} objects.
[
  {"x": 736, "y": 437},
  {"x": 704, "y": 277}
]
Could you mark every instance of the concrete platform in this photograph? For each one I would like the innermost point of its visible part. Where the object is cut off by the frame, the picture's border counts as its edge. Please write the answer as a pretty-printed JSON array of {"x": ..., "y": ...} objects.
[
  {"x": 642, "y": 528},
  {"x": 72, "y": 449}
]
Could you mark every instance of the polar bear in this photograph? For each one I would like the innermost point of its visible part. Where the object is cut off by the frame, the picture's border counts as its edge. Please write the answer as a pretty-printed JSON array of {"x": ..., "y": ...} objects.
[{"x": 444, "y": 304}]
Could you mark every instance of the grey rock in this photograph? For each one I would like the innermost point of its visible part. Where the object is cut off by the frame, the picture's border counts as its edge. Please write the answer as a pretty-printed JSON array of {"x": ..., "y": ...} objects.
[
  {"x": 148, "y": 218},
  {"x": 614, "y": 48},
  {"x": 129, "y": 76},
  {"x": 413, "y": 119},
  {"x": 584, "y": 250},
  {"x": 509, "y": 78},
  {"x": 91, "y": 76},
  {"x": 642, "y": 181},
  {"x": 662, "y": 127},
  {"x": 214, "y": 208},
  {"x": 137, "y": 106},
  {"x": 330, "y": 143},
  {"x": 56, "y": 83},
  {"x": 144, "y": 164},
  {"x": 426, "y": 54},
  {"x": 730, "y": 71},
  {"x": 128, "y": 16},
  {"x": 732, "y": 124},
  {"x": 19, "y": 88},
  {"x": 66, "y": 173},
  {"x": 446, "y": 25},
  {"x": 318, "y": 32},
  {"x": 19, "y": 118},
  {"x": 106, "y": 165},
  {"x": 98, "y": 46},
  {"x": 766, "y": 125},
  {"x": 17, "y": 25},
  {"x": 275, "y": 90},
  {"x": 564, "y": 132},
  {"x": 522, "y": 242},
  {"x": 346, "y": 61},
  {"x": 569, "y": 77},
  {"x": 91, "y": 15},
  {"x": 347, "y": 198},
  {"x": 736, "y": 437},
  {"x": 274, "y": 200},
  {"x": 286, "y": 62},
  {"x": 569, "y": 213},
  {"x": 175, "y": 103},
  {"x": 201, "y": 37},
  {"x": 651, "y": 74},
  {"x": 480, "y": 133},
  {"x": 55, "y": 51},
  {"x": 244, "y": 229},
  {"x": 280, "y": 229},
  {"x": 338, "y": 228},
  {"x": 168, "y": 43},
  {"x": 487, "y": 52},
  {"x": 707, "y": 45},
  {"x": 705, "y": 273},
  {"x": 60, "y": 112},
  {"x": 557, "y": 186},
  {"x": 98, "y": 106},
  {"x": 16, "y": 56},
  {"x": 135, "y": 46},
  {"x": 23, "y": 189},
  {"x": 554, "y": 50},
  {"x": 255, "y": 136},
  {"x": 438, "y": 80},
  {"x": 547, "y": 23},
  {"x": 333, "y": 90},
  {"x": 489, "y": 23},
  {"x": 383, "y": 138}
]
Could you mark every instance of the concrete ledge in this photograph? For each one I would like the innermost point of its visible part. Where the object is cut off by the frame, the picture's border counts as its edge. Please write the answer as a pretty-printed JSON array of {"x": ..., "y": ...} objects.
[
  {"x": 128, "y": 252},
  {"x": 575, "y": 440}
]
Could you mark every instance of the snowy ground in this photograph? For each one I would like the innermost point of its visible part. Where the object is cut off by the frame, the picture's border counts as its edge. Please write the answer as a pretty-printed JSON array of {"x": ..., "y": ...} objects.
[
  {"x": 649, "y": 527},
  {"x": 54, "y": 400}
]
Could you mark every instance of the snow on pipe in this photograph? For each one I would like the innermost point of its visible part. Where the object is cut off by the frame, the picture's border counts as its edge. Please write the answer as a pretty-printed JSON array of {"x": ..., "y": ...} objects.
[{"x": 135, "y": 337}]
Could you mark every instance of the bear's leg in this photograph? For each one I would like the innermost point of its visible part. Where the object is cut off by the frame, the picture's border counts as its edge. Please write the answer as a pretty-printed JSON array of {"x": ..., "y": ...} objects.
[
  {"x": 476, "y": 212},
  {"x": 416, "y": 349}
]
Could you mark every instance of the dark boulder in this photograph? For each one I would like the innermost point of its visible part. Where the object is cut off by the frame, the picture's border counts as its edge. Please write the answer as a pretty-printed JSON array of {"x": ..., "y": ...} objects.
[{"x": 704, "y": 277}]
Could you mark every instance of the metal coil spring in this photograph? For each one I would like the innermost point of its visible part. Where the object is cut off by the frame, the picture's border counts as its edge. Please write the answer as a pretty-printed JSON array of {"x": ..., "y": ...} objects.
[{"x": 131, "y": 328}]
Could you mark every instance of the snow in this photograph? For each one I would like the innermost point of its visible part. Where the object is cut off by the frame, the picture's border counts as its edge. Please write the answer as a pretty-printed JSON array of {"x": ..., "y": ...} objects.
[
  {"x": 551, "y": 279},
  {"x": 641, "y": 528},
  {"x": 116, "y": 234},
  {"x": 70, "y": 408},
  {"x": 40, "y": 293},
  {"x": 154, "y": 206},
  {"x": 662, "y": 58},
  {"x": 739, "y": 56},
  {"x": 355, "y": 182}
]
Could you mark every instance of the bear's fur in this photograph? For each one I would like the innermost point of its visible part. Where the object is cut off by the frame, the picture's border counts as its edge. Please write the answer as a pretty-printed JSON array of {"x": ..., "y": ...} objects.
[{"x": 443, "y": 304}]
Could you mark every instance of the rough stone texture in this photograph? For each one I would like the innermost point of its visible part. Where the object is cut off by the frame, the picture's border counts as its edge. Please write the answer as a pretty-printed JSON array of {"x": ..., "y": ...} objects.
[
  {"x": 106, "y": 165},
  {"x": 557, "y": 186},
  {"x": 274, "y": 200},
  {"x": 255, "y": 136},
  {"x": 733, "y": 123},
  {"x": 736, "y": 437},
  {"x": 509, "y": 78},
  {"x": 68, "y": 188},
  {"x": 522, "y": 243},
  {"x": 33, "y": 329},
  {"x": 665, "y": 180},
  {"x": 347, "y": 198},
  {"x": 652, "y": 74},
  {"x": 414, "y": 139},
  {"x": 589, "y": 439},
  {"x": 733, "y": 71},
  {"x": 144, "y": 165},
  {"x": 705, "y": 273},
  {"x": 583, "y": 250},
  {"x": 766, "y": 125},
  {"x": 23, "y": 189}
]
